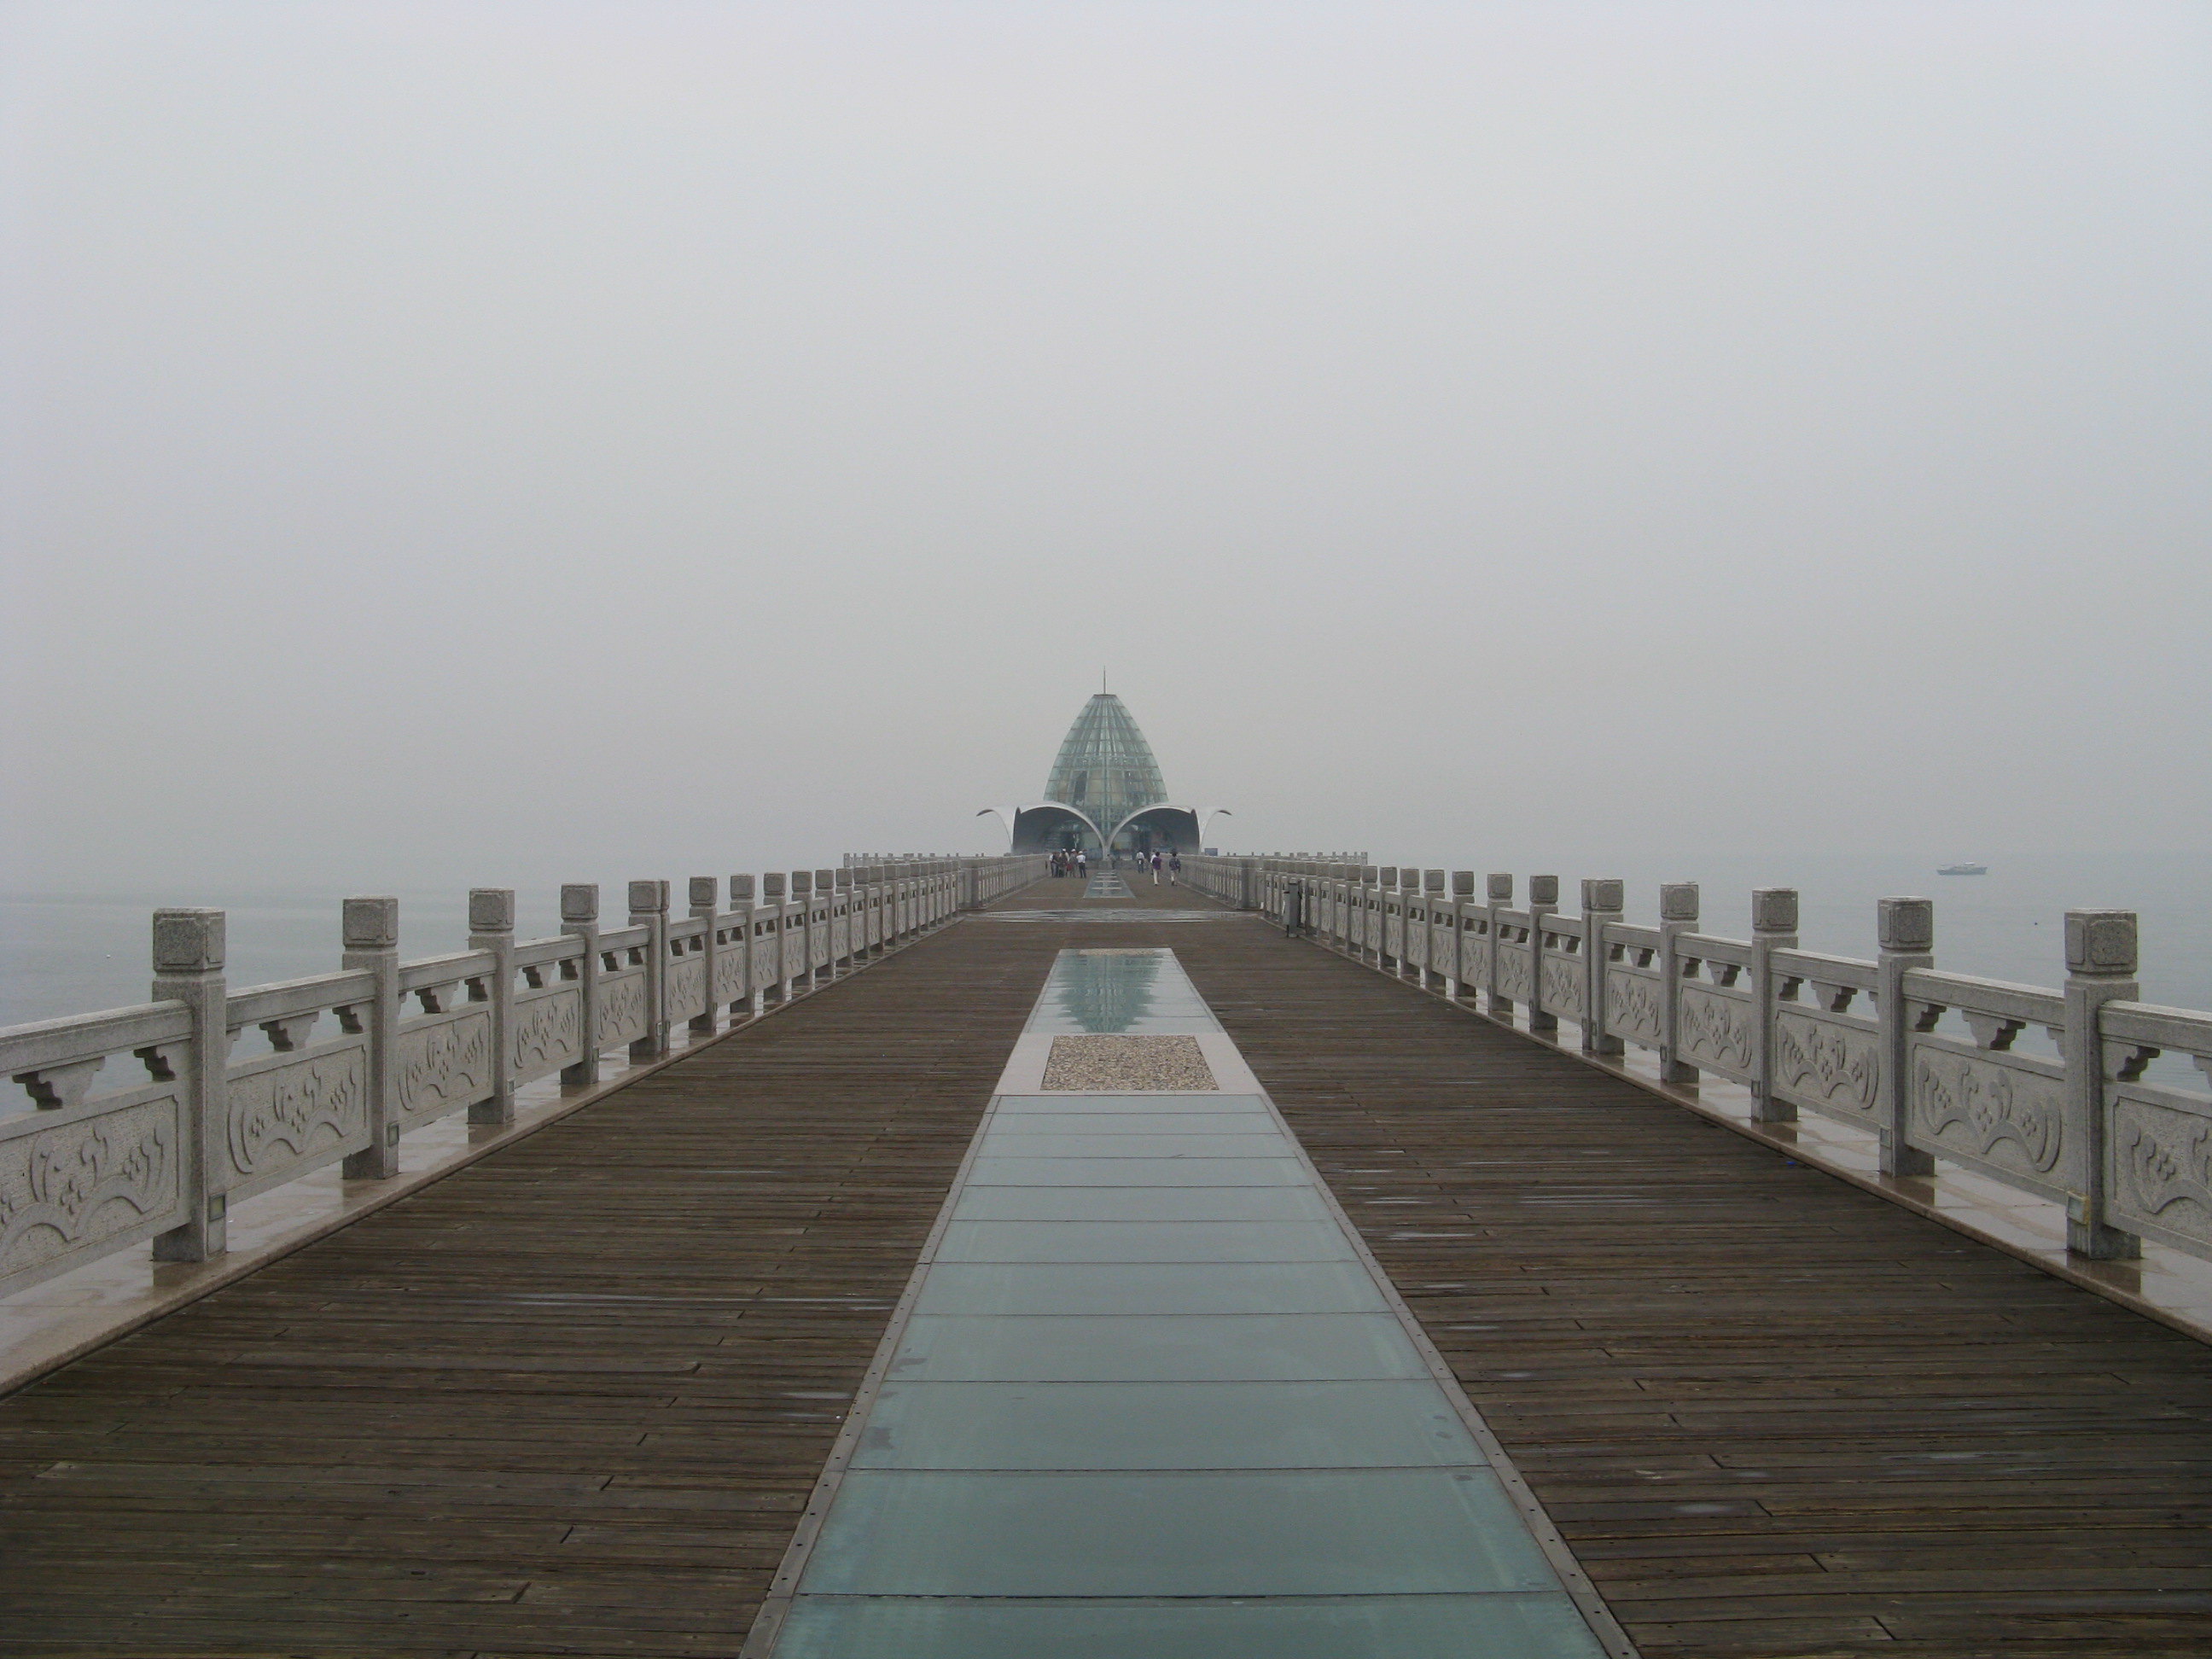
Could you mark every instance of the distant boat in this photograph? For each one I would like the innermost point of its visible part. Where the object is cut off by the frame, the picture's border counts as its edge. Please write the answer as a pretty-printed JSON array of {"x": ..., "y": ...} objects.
[{"x": 1962, "y": 869}]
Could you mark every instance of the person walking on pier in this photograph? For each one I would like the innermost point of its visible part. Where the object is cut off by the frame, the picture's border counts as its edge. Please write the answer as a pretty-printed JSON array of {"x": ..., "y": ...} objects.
[
  {"x": 1082, "y": 864},
  {"x": 1175, "y": 866},
  {"x": 1156, "y": 869}
]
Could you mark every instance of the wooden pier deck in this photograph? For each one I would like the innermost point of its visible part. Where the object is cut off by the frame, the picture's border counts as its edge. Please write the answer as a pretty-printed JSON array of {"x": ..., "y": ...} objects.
[{"x": 572, "y": 1398}]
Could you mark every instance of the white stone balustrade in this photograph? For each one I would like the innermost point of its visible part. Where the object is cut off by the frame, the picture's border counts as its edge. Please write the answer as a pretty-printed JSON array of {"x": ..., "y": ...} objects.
[
  {"x": 148, "y": 1123},
  {"x": 1924, "y": 1060}
]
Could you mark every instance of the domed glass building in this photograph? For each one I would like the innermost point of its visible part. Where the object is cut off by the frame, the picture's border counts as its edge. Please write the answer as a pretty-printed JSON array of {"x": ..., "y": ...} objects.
[{"x": 1105, "y": 790}]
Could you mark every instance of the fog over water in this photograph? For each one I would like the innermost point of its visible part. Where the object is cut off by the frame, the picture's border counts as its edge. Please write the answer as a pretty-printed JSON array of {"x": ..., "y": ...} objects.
[{"x": 503, "y": 443}]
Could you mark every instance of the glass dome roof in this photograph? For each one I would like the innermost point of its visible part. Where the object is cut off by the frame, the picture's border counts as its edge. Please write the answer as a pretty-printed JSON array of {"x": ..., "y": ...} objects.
[{"x": 1104, "y": 766}]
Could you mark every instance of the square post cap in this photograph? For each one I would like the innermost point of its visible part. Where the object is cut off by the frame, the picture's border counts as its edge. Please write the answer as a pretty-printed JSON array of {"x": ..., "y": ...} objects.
[
  {"x": 1606, "y": 893},
  {"x": 802, "y": 881},
  {"x": 703, "y": 892},
  {"x": 1906, "y": 925},
  {"x": 1543, "y": 890},
  {"x": 1774, "y": 909},
  {"x": 1500, "y": 888},
  {"x": 491, "y": 909},
  {"x": 2100, "y": 944},
  {"x": 1390, "y": 875},
  {"x": 189, "y": 941},
  {"x": 579, "y": 902},
  {"x": 772, "y": 884},
  {"x": 1678, "y": 900},
  {"x": 648, "y": 898},
  {"x": 1463, "y": 884},
  {"x": 825, "y": 880},
  {"x": 370, "y": 923},
  {"x": 1432, "y": 881},
  {"x": 741, "y": 890},
  {"x": 844, "y": 879},
  {"x": 1370, "y": 876}
]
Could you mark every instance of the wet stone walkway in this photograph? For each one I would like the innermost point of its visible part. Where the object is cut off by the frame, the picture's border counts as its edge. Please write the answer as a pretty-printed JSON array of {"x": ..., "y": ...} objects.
[{"x": 1146, "y": 1393}]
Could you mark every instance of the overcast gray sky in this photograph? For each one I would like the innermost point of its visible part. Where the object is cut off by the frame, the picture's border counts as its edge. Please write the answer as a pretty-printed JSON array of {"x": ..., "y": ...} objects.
[{"x": 458, "y": 441}]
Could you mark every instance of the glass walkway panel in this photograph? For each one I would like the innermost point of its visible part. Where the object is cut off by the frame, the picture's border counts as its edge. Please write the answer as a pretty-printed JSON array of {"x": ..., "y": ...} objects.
[{"x": 1147, "y": 1395}]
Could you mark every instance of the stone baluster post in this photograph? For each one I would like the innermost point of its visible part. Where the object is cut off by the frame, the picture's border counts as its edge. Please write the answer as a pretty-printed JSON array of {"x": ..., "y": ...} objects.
[
  {"x": 802, "y": 903},
  {"x": 491, "y": 927},
  {"x": 1603, "y": 900},
  {"x": 741, "y": 908},
  {"x": 1543, "y": 901},
  {"x": 844, "y": 898},
  {"x": 371, "y": 931},
  {"x": 1907, "y": 931},
  {"x": 648, "y": 908},
  {"x": 579, "y": 919},
  {"x": 2100, "y": 968},
  {"x": 825, "y": 898},
  {"x": 1677, "y": 914},
  {"x": 1462, "y": 893},
  {"x": 701, "y": 892},
  {"x": 1433, "y": 899},
  {"x": 188, "y": 968},
  {"x": 772, "y": 902},
  {"x": 1773, "y": 927},
  {"x": 1500, "y": 891}
]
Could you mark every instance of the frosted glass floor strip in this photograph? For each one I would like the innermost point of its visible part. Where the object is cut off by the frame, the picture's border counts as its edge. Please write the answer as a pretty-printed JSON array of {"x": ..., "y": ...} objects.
[
  {"x": 1494, "y": 1626},
  {"x": 1163, "y": 1425},
  {"x": 1147, "y": 1397},
  {"x": 1059, "y": 1239}
]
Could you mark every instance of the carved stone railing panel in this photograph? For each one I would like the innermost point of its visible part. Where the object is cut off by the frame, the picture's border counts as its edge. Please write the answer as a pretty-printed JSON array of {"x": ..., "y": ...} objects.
[
  {"x": 289, "y": 1114},
  {"x": 2160, "y": 1153},
  {"x": 1632, "y": 1004},
  {"x": 445, "y": 1064},
  {"x": 549, "y": 1032},
  {"x": 2158, "y": 1148},
  {"x": 732, "y": 957},
  {"x": 687, "y": 987},
  {"x": 1443, "y": 945},
  {"x": 79, "y": 1184},
  {"x": 1565, "y": 986},
  {"x": 1716, "y": 1033},
  {"x": 1829, "y": 1065},
  {"x": 1517, "y": 961},
  {"x": 2004, "y": 1113},
  {"x": 623, "y": 1015},
  {"x": 1474, "y": 950}
]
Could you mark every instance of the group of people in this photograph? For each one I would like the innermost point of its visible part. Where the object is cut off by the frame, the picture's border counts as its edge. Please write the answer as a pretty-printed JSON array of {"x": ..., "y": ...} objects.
[{"x": 1075, "y": 861}]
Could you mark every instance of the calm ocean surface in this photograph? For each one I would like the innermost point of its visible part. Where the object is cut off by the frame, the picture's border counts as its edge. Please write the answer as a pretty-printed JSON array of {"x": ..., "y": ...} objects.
[{"x": 64, "y": 954}]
